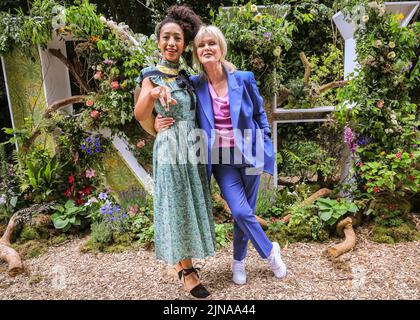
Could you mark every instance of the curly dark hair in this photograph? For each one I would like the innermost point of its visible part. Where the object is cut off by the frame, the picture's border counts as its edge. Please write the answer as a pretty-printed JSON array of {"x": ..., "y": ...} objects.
[{"x": 185, "y": 17}]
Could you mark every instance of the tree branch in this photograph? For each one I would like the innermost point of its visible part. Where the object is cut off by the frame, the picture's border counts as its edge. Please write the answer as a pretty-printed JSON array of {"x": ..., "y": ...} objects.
[{"x": 57, "y": 53}]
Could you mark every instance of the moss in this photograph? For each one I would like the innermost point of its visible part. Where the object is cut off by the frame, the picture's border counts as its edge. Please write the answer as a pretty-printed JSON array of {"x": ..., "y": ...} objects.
[
  {"x": 31, "y": 249},
  {"x": 91, "y": 246},
  {"x": 116, "y": 248},
  {"x": 35, "y": 279},
  {"x": 124, "y": 239},
  {"x": 29, "y": 233},
  {"x": 58, "y": 239},
  {"x": 403, "y": 232}
]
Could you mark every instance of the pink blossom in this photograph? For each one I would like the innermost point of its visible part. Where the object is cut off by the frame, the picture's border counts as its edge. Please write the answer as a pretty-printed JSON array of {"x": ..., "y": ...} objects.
[
  {"x": 140, "y": 144},
  {"x": 95, "y": 114},
  {"x": 132, "y": 210},
  {"x": 115, "y": 85},
  {"x": 90, "y": 102},
  {"x": 349, "y": 138},
  {"x": 90, "y": 173},
  {"x": 398, "y": 155},
  {"x": 98, "y": 75}
]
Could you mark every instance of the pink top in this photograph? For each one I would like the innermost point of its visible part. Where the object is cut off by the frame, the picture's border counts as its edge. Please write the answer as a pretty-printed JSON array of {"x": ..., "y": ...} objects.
[{"x": 222, "y": 120}]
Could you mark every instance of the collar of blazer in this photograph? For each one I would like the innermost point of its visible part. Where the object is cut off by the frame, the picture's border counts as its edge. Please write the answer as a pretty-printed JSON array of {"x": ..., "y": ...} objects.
[{"x": 235, "y": 98}]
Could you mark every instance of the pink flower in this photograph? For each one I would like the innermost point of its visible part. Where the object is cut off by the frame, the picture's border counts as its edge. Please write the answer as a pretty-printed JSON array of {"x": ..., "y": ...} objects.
[
  {"x": 380, "y": 104},
  {"x": 95, "y": 114},
  {"x": 376, "y": 189},
  {"x": 90, "y": 102},
  {"x": 140, "y": 144},
  {"x": 115, "y": 85},
  {"x": 132, "y": 210},
  {"x": 412, "y": 155},
  {"x": 98, "y": 75},
  {"x": 90, "y": 173},
  {"x": 398, "y": 155}
]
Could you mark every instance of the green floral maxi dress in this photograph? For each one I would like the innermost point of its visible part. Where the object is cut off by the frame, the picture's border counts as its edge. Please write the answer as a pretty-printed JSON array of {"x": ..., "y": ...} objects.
[{"x": 183, "y": 219}]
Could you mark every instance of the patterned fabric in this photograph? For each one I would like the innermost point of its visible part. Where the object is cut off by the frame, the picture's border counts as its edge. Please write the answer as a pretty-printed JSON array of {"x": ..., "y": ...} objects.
[{"x": 183, "y": 219}]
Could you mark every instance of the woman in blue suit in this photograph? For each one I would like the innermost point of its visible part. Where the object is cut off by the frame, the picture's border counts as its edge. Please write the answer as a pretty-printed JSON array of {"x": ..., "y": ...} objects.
[{"x": 230, "y": 112}]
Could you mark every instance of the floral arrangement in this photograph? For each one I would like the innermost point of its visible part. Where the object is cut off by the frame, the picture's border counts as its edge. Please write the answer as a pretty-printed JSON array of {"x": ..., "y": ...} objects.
[{"x": 382, "y": 129}]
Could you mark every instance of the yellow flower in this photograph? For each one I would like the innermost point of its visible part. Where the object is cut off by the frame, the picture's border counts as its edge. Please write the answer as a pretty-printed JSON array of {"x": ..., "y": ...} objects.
[
  {"x": 383, "y": 153},
  {"x": 124, "y": 84},
  {"x": 254, "y": 8},
  {"x": 400, "y": 16},
  {"x": 391, "y": 55},
  {"x": 391, "y": 45},
  {"x": 95, "y": 38},
  {"x": 258, "y": 17},
  {"x": 365, "y": 18},
  {"x": 277, "y": 52}
]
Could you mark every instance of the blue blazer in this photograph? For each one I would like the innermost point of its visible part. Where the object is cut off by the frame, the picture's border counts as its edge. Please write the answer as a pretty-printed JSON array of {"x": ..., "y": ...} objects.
[{"x": 246, "y": 111}]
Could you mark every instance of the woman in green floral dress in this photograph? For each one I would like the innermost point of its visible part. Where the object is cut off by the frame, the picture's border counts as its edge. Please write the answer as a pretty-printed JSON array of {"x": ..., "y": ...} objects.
[{"x": 183, "y": 221}]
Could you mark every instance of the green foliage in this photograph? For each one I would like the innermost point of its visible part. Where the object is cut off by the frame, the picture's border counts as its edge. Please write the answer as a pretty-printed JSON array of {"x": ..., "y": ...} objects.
[
  {"x": 304, "y": 225},
  {"x": 223, "y": 233},
  {"x": 392, "y": 234},
  {"x": 256, "y": 39},
  {"x": 101, "y": 232},
  {"x": 67, "y": 215},
  {"x": 395, "y": 174},
  {"x": 308, "y": 151},
  {"x": 142, "y": 223},
  {"x": 384, "y": 113},
  {"x": 331, "y": 210}
]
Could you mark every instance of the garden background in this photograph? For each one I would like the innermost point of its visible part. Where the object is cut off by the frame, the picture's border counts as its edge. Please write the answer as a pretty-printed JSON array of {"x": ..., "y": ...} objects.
[{"x": 357, "y": 165}]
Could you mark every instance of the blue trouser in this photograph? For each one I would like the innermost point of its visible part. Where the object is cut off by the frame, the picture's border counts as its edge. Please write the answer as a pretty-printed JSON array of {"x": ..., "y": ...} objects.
[{"x": 240, "y": 192}]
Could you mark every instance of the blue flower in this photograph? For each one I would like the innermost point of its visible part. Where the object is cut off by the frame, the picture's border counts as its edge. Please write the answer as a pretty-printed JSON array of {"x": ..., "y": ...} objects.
[
  {"x": 89, "y": 140},
  {"x": 89, "y": 150},
  {"x": 98, "y": 150},
  {"x": 103, "y": 196},
  {"x": 83, "y": 146},
  {"x": 124, "y": 216}
]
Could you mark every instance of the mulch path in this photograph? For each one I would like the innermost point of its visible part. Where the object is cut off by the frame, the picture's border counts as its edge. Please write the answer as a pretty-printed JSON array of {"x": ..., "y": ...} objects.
[{"x": 371, "y": 271}]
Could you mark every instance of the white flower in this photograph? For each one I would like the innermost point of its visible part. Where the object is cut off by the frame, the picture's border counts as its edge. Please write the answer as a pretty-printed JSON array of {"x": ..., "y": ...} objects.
[
  {"x": 373, "y": 5},
  {"x": 254, "y": 8},
  {"x": 2, "y": 200},
  {"x": 391, "y": 45},
  {"x": 389, "y": 131},
  {"x": 381, "y": 10},
  {"x": 378, "y": 43},
  {"x": 365, "y": 18},
  {"x": 277, "y": 52},
  {"x": 258, "y": 17}
]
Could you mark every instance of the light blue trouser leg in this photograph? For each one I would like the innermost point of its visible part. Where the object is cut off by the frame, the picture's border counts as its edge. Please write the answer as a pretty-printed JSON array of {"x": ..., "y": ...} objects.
[{"x": 240, "y": 192}]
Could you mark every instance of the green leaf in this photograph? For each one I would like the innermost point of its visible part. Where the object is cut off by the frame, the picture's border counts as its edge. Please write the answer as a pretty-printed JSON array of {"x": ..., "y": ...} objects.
[{"x": 326, "y": 215}]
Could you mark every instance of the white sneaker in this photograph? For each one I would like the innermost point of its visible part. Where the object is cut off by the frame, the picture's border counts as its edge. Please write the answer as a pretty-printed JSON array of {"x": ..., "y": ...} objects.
[
  {"x": 238, "y": 270},
  {"x": 276, "y": 263}
]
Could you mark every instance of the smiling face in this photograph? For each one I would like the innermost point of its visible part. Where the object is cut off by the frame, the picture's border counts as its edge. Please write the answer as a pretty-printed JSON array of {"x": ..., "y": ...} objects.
[
  {"x": 171, "y": 41},
  {"x": 208, "y": 50}
]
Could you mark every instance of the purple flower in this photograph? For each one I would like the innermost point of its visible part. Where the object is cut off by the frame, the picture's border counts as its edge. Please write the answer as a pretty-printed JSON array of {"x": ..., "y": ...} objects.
[
  {"x": 408, "y": 66},
  {"x": 362, "y": 141},
  {"x": 89, "y": 150},
  {"x": 349, "y": 138},
  {"x": 89, "y": 140},
  {"x": 124, "y": 216},
  {"x": 98, "y": 150},
  {"x": 103, "y": 196},
  {"x": 83, "y": 146},
  {"x": 108, "y": 61},
  {"x": 267, "y": 36}
]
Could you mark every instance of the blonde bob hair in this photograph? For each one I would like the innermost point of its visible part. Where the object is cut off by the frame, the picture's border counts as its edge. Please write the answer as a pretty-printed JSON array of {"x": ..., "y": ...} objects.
[{"x": 219, "y": 38}]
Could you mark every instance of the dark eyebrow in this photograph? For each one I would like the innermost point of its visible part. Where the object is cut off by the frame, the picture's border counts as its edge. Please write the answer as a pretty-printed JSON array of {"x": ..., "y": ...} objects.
[{"x": 175, "y": 33}]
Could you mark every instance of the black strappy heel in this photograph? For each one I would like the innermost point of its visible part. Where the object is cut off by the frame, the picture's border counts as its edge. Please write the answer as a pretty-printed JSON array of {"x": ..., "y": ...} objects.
[{"x": 199, "y": 291}]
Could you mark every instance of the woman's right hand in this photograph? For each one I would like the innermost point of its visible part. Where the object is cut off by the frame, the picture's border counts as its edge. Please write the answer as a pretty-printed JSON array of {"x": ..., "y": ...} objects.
[
  {"x": 163, "y": 93},
  {"x": 162, "y": 123}
]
